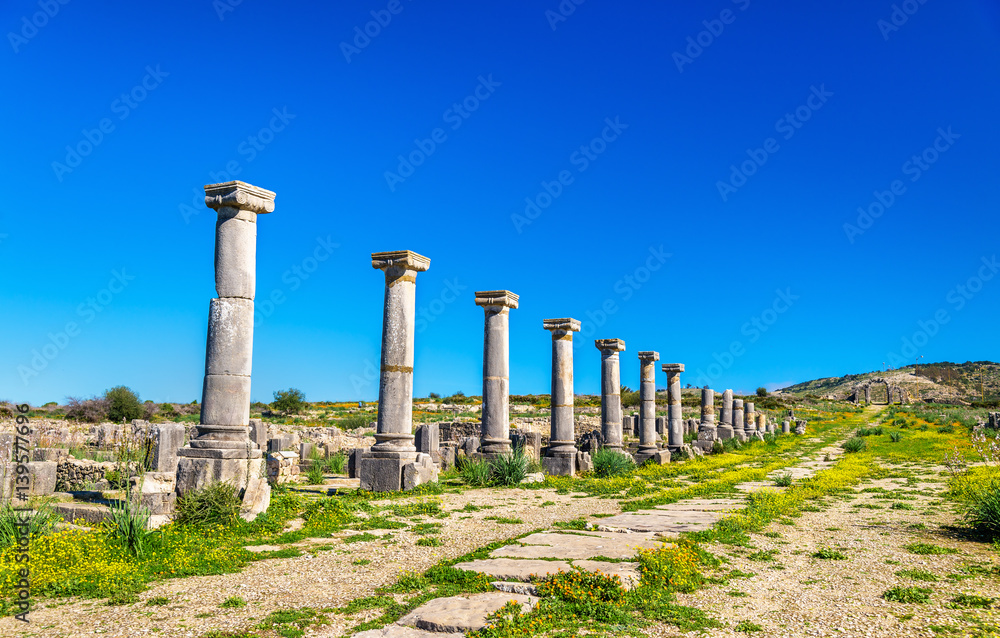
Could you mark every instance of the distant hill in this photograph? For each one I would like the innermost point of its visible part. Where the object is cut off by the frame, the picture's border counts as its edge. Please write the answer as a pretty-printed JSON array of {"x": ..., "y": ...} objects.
[{"x": 943, "y": 382}]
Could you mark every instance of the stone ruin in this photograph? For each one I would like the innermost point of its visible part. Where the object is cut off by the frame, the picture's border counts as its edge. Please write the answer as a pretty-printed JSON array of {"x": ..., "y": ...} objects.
[{"x": 864, "y": 389}]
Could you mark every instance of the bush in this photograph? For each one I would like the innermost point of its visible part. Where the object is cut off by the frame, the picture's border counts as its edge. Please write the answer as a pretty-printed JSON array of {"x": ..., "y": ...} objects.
[
  {"x": 290, "y": 401},
  {"x": 215, "y": 504},
  {"x": 829, "y": 554},
  {"x": 608, "y": 462},
  {"x": 926, "y": 549},
  {"x": 315, "y": 474},
  {"x": 783, "y": 480},
  {"x": 123, "y": 404},
  {"x": 337, "y": 463},
  {"x": 353, "y": 422},
  {"x": 875, "y": 431},
  {"x": 128, "y": 527},
  {"x": 475, "y": 472},
  {"x": 854, "y": 444},
  {"x": 762, "y": 392},
  {"x": 509, "y": 469},
  {"x": 907, "y": 595},
  {"x": 982, "y": 510},
  {"x": 93, "y": 410},
  {"x": 895, "y": 437},
  {"x": 39, "y": 522}
]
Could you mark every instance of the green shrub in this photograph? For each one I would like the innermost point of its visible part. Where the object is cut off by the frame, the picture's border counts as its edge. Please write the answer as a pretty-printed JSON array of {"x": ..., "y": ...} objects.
[
  {"x": 128, "y": 526},
  {"x": 770, "y": 438},
  {"x": 215, "y": 504},
  {"x": 747, "y": 627},
  {"x": 353, "y": 422},
  {"x": 829, "y": 554},
  {"x": 337, "y": 463},
  {"x": 783, "y": 480},
  {"x": 969, "y": 600},
  {"x": 234, "y": 602},
  {"x": 907, "y": 595},
  {"x": 918, "y": 574},
  {"x": 608, "y": 462},
  {"x": 40, "y": 521},
  {"x": 875, "y": 431},
  {"x": 946, "y": 429},
  {"x": 123, "y": 404},
  {"x": 895, "y": 437},
  {"x": 854, "y": 444},
  {"x": 430, "y": 541},
  {"x": 290, "y": 401},
  {"x": 926, "y": 549},
  {"x": 475, "y": 472},
  {"x": 508, "y": 470},
  {"x": 982, "y": 510},
  {"x": 315, "y": 473}
]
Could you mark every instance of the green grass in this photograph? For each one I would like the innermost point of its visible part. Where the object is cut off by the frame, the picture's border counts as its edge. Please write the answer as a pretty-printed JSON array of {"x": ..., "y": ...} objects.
[
  {"x": 783, "y": 480},
  {"x": 971, "y": 601},
  {"x": 158, "y": 601},
  {"x": 907, "y": 595},
  {"x": 745, "y": 626},
  {"x": 612, "y": 463},
  {"x": 829, "y": 554},
  {"x": 927, "y": 549},
  {"x": 430, "y": 541},
  {"x": 918, "y": 574},
  {"x": 854, "y": 445},
  {"x": 233, "y": 602}
]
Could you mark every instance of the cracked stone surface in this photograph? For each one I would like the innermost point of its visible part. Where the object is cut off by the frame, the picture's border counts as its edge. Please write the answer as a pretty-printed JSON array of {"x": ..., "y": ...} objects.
[
  {"x": 573, "y": 546},
  {"x": 662, "y": 521},
  {"x": 511, "y": 569},
  {"x": 462, "y": 613},
  {"x": 628, "y": 572},
  {"x": 399, "y": 631}
]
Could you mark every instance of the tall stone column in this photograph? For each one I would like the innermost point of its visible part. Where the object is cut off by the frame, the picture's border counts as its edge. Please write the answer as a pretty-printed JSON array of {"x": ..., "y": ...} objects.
[
  {"x": 707, "y": 431},
  {"x": 496, "y": 370},
  {"x": 725, "y": 427},
  {"x": 611, "y": 398},
  {"x": 675, "y": 427},
  {"x": 762, "y": 423},
  {"x": 751, "y": 419},
  {"x": 222, "y": 449},
  {"x": 561, "y": 456},
  {"x": 738, "y": 424},
  {"x": 647, "y": 410},
  {"x": 381, "y": 469}
]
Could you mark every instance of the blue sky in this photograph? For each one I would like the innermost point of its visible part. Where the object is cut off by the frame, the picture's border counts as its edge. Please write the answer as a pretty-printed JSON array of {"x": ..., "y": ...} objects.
[{"x": 697, "y": 167}]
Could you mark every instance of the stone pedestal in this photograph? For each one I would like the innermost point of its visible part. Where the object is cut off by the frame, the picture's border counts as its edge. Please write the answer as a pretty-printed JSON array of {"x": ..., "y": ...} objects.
[
  {"x": 675, "y": 422},
  {"x": 496, "y": 370},
  {"x": 611, "y": 399},
  {"x": 647, "y": 402},
  {"x": 222, "y": 449},
  {"x": 382, "y": 468},
  {"x": 562, "y": 437}
]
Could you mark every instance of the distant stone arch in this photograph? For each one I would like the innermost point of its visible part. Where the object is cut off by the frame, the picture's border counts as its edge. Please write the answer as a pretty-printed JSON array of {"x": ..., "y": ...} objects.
[{"x": 892, "y": 391}]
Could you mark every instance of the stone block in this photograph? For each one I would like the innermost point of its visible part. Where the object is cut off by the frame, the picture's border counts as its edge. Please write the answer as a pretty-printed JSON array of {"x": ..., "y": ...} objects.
[
  {"x": 469, "y": 445},
  {"x": 258, "y": 433},
  {"x": 382, "y": 474},
  {"x": 159, "y": 483},
  {"x": 658, "y": 457},
  {"x": 584, "y": 462},
  {"x": 167, "y": 439},
  {"x": 226, "y": 400},
  {"x": 159, "y": 504},
  {"x": 447, "y": 453},
  {"x": 559, "y": 465},
  {"x": 256, "y": 498},
  {"x": 725, "y": 432},
  {"x": 197, "y": 472},
  {"x": 354, "y": 461},
  {"x": 306, "y": 450},
  {"x": 43, "y": 477},
  {"x": 421, "y": 471},
  {"x": 427, "y": 438}
]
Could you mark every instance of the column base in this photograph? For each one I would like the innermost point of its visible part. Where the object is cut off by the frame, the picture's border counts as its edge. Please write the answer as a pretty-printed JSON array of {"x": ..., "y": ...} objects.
[
  {"x": 724, "y": 432},
  {"x": 658, "y": 457},
  {"x": 195, "y": 471},
  {"x": 559, "y": 465},
  {"x": 380, "y": 472}
]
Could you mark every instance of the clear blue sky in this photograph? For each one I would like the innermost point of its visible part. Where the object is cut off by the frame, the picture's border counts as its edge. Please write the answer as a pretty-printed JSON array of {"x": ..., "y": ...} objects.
[{"x": 651, "y": 221}]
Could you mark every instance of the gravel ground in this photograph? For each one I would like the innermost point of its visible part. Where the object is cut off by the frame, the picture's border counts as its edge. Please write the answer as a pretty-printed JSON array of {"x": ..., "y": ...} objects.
[
  {"x": 798, "y": 595},
  {"x": 323, "y": 579}
]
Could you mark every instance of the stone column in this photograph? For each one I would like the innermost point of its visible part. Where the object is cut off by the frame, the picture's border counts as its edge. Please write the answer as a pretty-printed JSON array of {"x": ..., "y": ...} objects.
[
  {"x": 786, "y": 426},
  {"x": 561, "y": 456},
  {"x": 738, "y": 424},
  {"x": 381, "y": 469},
  {"x": 725, "y": 427},
  {"x": 222, "y": 449},
  {"x": 611, "y": 399},
  {"x": 750, "y": 424},
  {"x": 647, "y": 410},
  {"x": 762, "y": 423},
  {"x": 675, "y": 427},
  {"x": 496, "y": 370}
]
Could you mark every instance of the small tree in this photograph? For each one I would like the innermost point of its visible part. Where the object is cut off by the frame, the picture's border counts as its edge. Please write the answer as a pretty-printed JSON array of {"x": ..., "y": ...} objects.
[
  {"x": 93, "y": 410},
  {"x": 762, "y": 392},
  {"x": 123, "y": 404},
  {"x": 288, "y": 401}
]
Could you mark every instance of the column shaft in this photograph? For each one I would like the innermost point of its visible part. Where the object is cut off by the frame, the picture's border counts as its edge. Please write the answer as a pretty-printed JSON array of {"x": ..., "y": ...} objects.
[
  {"x": 496, "y": 370},
  {"x": 394, "y": 432},
  {"x": 647, "y": 401}
]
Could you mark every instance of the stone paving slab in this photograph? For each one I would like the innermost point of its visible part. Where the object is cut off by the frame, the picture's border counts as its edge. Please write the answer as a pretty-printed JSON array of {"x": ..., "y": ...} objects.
[
  {"x": 663, "y": 522},
  {"x": 515, "y": 587},
  {"x": 399, "y": 631},
  {"x": 704, "y": 505},
  {"x": 572, "y": 546},
  {"x": 511, "y": 569},
  {"x": 462, "y": 613}
]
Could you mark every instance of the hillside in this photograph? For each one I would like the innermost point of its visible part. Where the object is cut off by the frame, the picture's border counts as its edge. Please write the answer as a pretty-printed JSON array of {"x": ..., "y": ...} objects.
[{"x": 943, "y": 382}]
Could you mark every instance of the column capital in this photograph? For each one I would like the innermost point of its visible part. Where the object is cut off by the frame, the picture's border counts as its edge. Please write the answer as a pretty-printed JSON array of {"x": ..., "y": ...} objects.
[
  {"x": 649, "y": 355},
  {"x": 561, "y": 325},
  {"x": 504, "y": 298},
  {"x": 239, "y": 195},
  {"x": 406, "y": 259},
  {"x": 609, "y": 345},
  {"x": 672, "y": 368}
]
